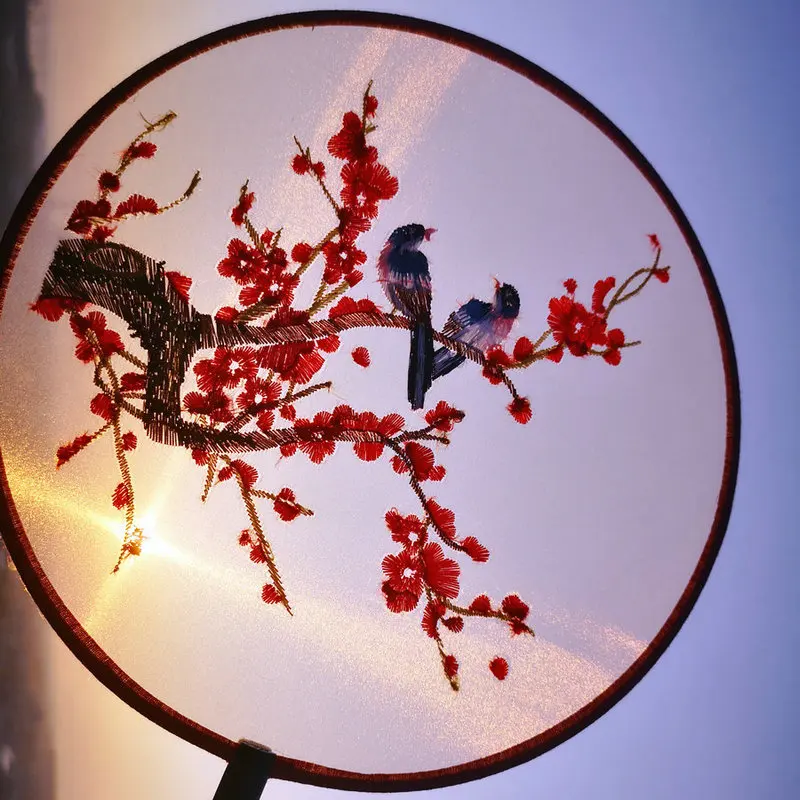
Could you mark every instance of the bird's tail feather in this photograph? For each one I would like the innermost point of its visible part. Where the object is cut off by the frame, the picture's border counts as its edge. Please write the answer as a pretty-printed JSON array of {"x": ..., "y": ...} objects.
[
  {"x": 445, "y": 361},
  {"x": 420, "y": 364}
]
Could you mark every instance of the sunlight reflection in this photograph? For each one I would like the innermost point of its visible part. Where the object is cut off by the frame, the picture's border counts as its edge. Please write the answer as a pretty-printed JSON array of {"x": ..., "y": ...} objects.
[{"x": 153, "y": 542}]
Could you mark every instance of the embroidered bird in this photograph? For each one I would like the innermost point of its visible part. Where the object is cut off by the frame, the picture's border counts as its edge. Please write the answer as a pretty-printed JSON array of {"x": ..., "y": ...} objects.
[
  {"x": 480, "y": 324},
  {"x": 403, "y": 271}
]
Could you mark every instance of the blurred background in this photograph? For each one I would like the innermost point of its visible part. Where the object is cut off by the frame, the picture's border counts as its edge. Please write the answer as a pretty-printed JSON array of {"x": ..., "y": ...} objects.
[{"x": 707, "y": 91}]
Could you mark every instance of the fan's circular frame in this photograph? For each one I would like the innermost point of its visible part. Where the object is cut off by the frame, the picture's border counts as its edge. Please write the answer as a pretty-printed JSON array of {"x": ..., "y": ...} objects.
[{"x": 104, "y": 668}]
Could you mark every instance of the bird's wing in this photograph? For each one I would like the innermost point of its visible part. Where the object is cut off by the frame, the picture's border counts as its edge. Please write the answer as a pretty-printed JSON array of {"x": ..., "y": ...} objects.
[
  {"x": 413, "y": 301},
  {"x": 409, "y": 284},
  {"x": 453, "y": 326},
  {"x": 471, "y": 313}
]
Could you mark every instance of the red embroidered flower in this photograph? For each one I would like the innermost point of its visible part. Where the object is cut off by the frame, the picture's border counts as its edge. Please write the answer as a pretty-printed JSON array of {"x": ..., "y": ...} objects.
[
  {"x": 121, "y": 496},
  {"x": 421, "y": 458},
  {"x": 616, "y": 338},
  {"x": 520, "y": 409},
  {"x": 399, "y": 602},
  {"x": 301, "y": 252},
  {"x": 344, "y": 416},
  {"x": 368, "y": 451},
  {"x": 350, "y": 143},
  {"x": 257, "y": 554},
  {"x": 285, "y": 506},
  {"x": 244, "y": 538},
  {"x": 274, "y": 287},
  {"x": 141, "y": 150},
  {"x": 450, "y": 665},
  {"x": 226, "y": 314},
  {"x": 365, "y": 184},
  {"x": 612, "y": 356},
  {"x": 481, "y": 604},
  {"x": 101, "y": 233},
  {"x": 662, "y": 274},
  {"x": 108, "y": 341},
  {"x": 269, "y": 594},
  {"x": 276, "y": 256},
  {"x": 441, "y": 573},
  {"x": 352, "y": 223},
  {"x": 434, "y": 611},
  {"x": 240, "y": 210},
  {"x": 265, "y": 420},
  {"x": 341, "y": 259},
  {"x": 523, "y": 349},
  {"x": 499, "y": 668},
  {"x": 475, "y": 550},
  {"x": 601, "y": 289},
  {"x": 443, "y": 417},
  {"x": 53, "y": 308},
  {"x": 571, "y": 285},
  {"x": 330, "y": 344},
  {"x": 366, "y": 306},
  {"x": 301, "y": 164},
  {"x": 247, "y": 473},
  {"x": 354, "y": 278},
  {"x": 215, "y": 405},
  {"x": 361, "y": 356},
  {"x": 67, "y": 451},
  {"x": 200, "y": 457},
  {"x": 654, "y": 242},
  {"x": 454, "y": 624},
  {"x": 258, "y": 394},
  {"x": 108, "y": 182},
  {"x": 243, "y": 263},
  {"x": 443, "y": 518},
  {"x": 315, "y": 441},
  {"x": 349, "y": 306},
  {"x": 103, "y": 406},
  {"x": 293, "y": 362},
  {"x": 514, "y": 607},
  {"x": 518, "y": 627},
  {"x": 407, "y": 530},
  {"x": 296, "y": 361},
  {"x": 180, "y": 283},
  {"x": 370, "y": 105},
  {"x": 226, "y": 368},
  {"x": 422, "y": 463},
  {"x": 87, "y": 214},
  {"x": 403, "y": 572},
  {"x": 496, "y": 359},
  {"x": 136, "y": 204},
  {"x": 574, "y": 326},
  {"x": 556, "y": 354},
  {"x": 132, "y": 382}
]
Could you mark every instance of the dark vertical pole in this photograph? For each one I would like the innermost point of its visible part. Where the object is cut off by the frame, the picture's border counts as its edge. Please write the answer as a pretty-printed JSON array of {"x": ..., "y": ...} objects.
[{"x": 246, "y": 773}]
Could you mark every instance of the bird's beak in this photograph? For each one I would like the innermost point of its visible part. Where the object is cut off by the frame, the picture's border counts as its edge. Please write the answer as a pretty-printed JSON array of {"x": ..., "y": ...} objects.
[
  {"x": 428, "y": 233},
  {"x": 496, "y": 283}
]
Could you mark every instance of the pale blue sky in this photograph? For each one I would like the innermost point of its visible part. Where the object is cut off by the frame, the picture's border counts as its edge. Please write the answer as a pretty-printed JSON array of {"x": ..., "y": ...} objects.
[{"x": 706, "y": 91}]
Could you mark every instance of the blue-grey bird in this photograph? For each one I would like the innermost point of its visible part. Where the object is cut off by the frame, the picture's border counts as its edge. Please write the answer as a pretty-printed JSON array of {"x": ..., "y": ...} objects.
[
  {"x": 403, "y": 271},
  {"x": 480, "y": 324}
]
